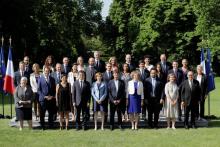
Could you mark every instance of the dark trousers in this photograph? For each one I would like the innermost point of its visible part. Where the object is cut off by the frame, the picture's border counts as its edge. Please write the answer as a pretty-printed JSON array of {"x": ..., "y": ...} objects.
[
  {"x": 144, "y": 108},
  {"x": 50, "y": 106},
  {"x": 114, "y": 108},
  {"x": 153, "y": 108},
  {"x": 202, "y": 108},
  {"x": 192, "y": 109},
  {"x": 84, "y": 109},
  {"x": 179, "y": 108}
]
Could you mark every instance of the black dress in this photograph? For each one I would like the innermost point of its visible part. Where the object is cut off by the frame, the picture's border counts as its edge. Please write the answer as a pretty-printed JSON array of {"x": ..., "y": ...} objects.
[{"x": 64, "y": 98}]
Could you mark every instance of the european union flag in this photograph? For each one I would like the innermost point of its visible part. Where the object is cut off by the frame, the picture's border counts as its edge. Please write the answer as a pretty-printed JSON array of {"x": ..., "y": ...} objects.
[
  {"x": 209, "y": 74},
  {"x": 2, "y": 69}
]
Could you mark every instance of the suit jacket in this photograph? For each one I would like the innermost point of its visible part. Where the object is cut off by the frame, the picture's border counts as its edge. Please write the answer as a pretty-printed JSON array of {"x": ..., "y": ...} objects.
[
  {"x": 145, "y": 74},
  {"x": 107, "y": 78},
  {"x": 148, "y": 90},
  {"x": 179, "y": 76},
  {"x": 113, "y": 94},
  {"x": 55, "y": 76},
  {"x": 90, "y": 74},
  {"x": 203, "y": 86},
  {"x": 190, "y": 97},
  {"x": 17, "y": 77},
  {"x": 46, "y": 88},
  {"x": 68, "y": 69},
  {"x": 99, "y": 93},
  {"x": 140, "y": 88},
  {"x": 131, "y": 67},
  {"x": 81, "y": 95},
  {"x": 28, "y": 69},
  {"x": 168, "y": 66},
  {"x": 100, "y": 67},
  {"x": 22, "y": 95}
]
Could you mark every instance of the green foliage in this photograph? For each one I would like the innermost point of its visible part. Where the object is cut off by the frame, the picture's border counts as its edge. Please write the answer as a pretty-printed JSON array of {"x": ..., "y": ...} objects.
[{"x": 177, "y": 28}]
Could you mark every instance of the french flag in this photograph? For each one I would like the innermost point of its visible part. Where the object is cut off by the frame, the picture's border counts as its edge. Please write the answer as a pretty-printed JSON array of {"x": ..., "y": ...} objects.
[{"x": 9, "y": 77}]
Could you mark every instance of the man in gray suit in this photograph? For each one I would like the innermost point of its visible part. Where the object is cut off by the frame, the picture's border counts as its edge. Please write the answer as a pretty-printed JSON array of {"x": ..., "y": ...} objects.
[
  {"x": 91, "y": 71},
  {"x": 57, "y": 74},
  {"x": 81, "y": 99},
  {"x": 190, "y": 94}
]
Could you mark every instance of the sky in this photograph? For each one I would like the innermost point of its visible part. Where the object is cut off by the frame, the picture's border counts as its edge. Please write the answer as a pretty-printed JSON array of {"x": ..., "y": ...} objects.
[{"x": 105, "y": 8}]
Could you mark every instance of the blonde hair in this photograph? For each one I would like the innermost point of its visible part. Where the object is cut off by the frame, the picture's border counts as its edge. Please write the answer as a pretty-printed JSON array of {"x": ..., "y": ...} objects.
[
  {"x": 98, "y": 74},
  {"x": 135, "y": 73}
]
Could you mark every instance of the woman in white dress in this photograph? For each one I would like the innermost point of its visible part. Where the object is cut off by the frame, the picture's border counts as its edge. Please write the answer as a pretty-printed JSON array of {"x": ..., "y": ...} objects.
[{"x": 172, "y": 95}]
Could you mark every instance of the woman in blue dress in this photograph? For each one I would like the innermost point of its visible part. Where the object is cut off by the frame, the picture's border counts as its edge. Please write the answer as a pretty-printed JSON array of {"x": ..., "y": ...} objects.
[{"x": 135, "y": 95}]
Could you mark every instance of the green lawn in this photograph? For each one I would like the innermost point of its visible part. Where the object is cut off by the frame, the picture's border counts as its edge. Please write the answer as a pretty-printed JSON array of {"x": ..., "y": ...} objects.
[{"x": 143, "y": 137}]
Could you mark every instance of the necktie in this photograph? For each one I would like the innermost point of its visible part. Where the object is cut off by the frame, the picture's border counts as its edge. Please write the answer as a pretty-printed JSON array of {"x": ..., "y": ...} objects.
[
  {"x": 81, "y": 84},
  {"x": 58, "y": 76},
  {"x": 153, "y": 86}
]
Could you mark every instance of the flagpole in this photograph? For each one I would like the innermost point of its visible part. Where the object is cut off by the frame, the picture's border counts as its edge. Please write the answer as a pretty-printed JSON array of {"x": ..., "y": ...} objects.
[
  {"x": 10, "y": 94},
  {"x": 2, "y": 95},
  {"x": 209, "y": 105}
]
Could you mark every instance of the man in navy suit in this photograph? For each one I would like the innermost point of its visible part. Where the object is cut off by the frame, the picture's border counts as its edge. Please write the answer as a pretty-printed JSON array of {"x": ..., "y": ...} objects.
[
  {"x": 28, "y": 67},
  {"x": 164, "y": 65},
  {"x": 20, "y": 73},
  {"x": 65, "y": 66},
  {"x": 179, "y": 79},
  {"x": 99, "y": 64},
  {"x": 107, "y": 76},
  {"x": 144, "y": 74},
  {"x": 131, "y": 65},
  {"x": 46, "y": 91},
  {"x": 81, "y": 99},
  {"x": 153, "y": 90},
  {"x": 116, "y": 89},
  {"x": 57, "y": 74}
]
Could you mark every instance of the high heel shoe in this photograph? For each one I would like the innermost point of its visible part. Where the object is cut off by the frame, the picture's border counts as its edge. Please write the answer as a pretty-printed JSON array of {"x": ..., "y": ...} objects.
[{"x": 61, "y": 128}]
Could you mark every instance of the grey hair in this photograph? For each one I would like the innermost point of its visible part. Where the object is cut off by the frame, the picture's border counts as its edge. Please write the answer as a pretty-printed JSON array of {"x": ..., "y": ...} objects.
[
  {"x": 200, "y": 66},
  {"x": 24, "y": 79}
]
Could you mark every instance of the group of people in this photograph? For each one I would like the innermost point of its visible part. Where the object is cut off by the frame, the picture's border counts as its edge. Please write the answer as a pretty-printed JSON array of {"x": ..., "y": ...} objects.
[{"x": 131, "y": 91}]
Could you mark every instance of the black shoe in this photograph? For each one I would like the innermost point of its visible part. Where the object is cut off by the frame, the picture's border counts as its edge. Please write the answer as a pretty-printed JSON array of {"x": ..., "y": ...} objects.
[
  {"x": 43, "y": 128},
  {"x": 194, "y": 127},
  {"x": 111, "y": 128},
  {"x": 120, "y": 127},
  {"x": 179, "y": 119},
  {"x": 186, "y": 127}
]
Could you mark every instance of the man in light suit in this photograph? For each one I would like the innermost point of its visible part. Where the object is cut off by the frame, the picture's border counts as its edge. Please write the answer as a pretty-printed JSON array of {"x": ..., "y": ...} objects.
[
  {"x": 47, "y": 100},
  {"x": 81, "y": 99},
  {"x": 190, "y": 94},
  {"x": 179, "y": 79},
  {"x": 144, "y": 74},
  {"x": 116, "y": 89},
  {"x": 153, "y": 97},
  {"x": 20, "y": 73},
  {"x": 57, "y": 74},
  {"x": 66, "y": 68},
  {"x": 99, "y": 64}
]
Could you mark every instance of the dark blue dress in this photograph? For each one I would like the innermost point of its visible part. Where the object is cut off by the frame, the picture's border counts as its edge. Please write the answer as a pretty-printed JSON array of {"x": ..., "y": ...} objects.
[{"x": 134, "y": 101}]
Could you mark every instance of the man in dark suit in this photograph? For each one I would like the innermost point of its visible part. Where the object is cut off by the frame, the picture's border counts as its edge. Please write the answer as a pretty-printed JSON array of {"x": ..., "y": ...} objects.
[
  {"x": 81, "y": 99},
  {"x": 144, "y": 74},
  {"x": 190, "y": 94},
  {"x": 57, "y": 74},
  {"x": 47, "y": 100},
  {"x": 91, "y": 71},
  {"x": 20, "y": 73},
  {"x": 28, "y": 67},
  {"x": 164, "y": 64},
  {"x": 153, "y": 90},
  {"x": 131, "y": 65},
  {"x": 116, "y": 88},
  {"x": 107, "y": 76},
  {"x": 179, "y": 79},
  {"x": 66, "y": 68},
  {"x": 99, "y": 64},
  {"x": 203, "y": 83}
]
